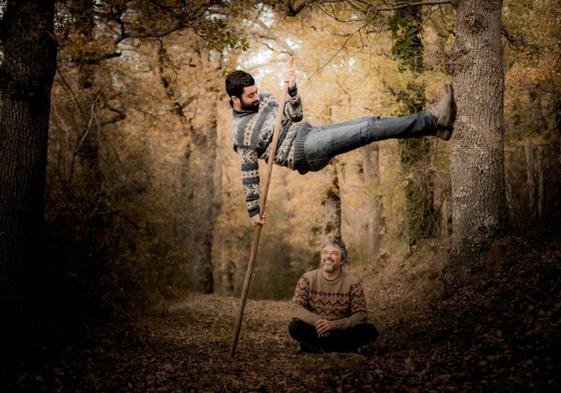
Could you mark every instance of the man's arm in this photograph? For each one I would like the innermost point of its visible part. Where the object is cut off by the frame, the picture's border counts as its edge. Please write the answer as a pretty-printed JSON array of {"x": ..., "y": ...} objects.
[
  {"x": 359, "y": 313},
  {"x": 293, "y": 109},
  {"x": 300, "y": 302},
  {"x": 299, "y": 312},
  {"x": 250, "y": 179}
]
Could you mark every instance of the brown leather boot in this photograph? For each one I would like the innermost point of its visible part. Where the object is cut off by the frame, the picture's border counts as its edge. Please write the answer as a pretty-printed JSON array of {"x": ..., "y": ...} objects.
[{"x": 444, "y": 112}]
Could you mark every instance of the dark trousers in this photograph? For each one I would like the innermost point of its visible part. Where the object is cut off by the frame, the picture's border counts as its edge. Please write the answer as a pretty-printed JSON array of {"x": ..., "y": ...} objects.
[
  {"x": 323, "y": 143},
  {"x": 337, "y": 340}
]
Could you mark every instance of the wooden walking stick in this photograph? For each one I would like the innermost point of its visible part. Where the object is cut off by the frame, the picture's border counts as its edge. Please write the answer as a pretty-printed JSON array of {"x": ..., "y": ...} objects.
[{"x": 255, "y": 245}]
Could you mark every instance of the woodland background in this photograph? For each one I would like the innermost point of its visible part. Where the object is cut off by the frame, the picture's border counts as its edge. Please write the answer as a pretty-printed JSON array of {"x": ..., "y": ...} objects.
[{"x": 143, "y": 201}]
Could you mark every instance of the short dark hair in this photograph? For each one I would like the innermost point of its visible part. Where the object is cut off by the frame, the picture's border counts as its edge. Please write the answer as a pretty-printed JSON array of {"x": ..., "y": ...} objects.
[
  {"x": 236, "y": 81},
  {"x": 337, "y": 243}
]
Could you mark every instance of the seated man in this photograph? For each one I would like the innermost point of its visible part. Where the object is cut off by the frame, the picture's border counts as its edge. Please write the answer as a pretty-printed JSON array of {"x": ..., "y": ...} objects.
[{"x": 328, "y": 309}]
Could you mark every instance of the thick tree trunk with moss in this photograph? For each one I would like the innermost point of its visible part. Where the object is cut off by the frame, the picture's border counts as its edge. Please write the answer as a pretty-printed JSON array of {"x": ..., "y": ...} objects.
[
  {"x": 477, "y": 172},
  {"x": 26, "y": 77}
]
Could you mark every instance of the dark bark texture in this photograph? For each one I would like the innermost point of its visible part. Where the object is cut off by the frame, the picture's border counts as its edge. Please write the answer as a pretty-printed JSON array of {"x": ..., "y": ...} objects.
[
  {"x": 477, "y": 159},
  {"x": 26, "y": 77}
]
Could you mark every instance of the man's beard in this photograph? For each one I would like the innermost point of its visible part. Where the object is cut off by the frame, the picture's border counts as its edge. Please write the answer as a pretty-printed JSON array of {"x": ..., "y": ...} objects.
[
  {"x": 329, "y": 268},
  {"x": 250, "y": 107}
]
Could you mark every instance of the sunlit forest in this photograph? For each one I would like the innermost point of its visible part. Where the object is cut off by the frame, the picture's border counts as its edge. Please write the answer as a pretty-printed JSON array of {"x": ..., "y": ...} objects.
[{"x": 124, "y": 234}]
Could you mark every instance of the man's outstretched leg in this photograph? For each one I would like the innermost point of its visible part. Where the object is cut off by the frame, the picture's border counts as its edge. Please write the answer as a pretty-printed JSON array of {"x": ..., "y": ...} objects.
[{"x": 324, "y": 143}]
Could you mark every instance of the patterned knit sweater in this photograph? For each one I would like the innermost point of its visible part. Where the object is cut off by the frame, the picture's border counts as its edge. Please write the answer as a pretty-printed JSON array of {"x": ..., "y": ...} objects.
[
  {"x": 341, "y": 300},
  {"x": 252, "y": 134}
]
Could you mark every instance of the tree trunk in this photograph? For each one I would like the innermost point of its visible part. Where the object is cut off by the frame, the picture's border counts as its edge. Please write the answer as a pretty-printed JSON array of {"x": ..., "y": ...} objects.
[
  {"x": 199, "y": 181},
  {"x": 477, "y": 158},
  {"x": 407, "y": 49},
  {"x": 332, "y": 204},
  {"x": 530, "y": 181},
  {"x": 26, "y": 77},
  {"x": 557, "y": 110},
  {"x": 444, "y": 229},
  {"x": 371, "y": 165},
  {"x": 540, "y": 170},
  {"x": 332, "y": 199},
  {"x": 203, "y": 204}
]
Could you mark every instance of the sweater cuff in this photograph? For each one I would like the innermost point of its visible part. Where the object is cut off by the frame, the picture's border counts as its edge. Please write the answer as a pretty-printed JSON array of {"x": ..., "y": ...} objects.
[
  {"x": 253, "y": 211},
  {"x": 300, "y": 161},
  {"x": 353, "y": 320},
  {"x": 293, "y": 92}
]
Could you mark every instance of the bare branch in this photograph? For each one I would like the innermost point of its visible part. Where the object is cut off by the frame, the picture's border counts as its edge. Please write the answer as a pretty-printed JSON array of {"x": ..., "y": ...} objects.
[
  {"x": 69, "y": 88},
  {"x": 156, "y": 34},
  {"x": 99, "y": 59},
  {"x": 371, "y": 12},
  {"x": 293, "y": 10},
  {"x": 82, "y": 139},
  {"x": 120, "y": 115},
  {"x": 404, "y": 4}
]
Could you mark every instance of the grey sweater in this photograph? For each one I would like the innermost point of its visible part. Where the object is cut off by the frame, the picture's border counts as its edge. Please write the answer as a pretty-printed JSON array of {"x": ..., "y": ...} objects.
[{"x": 252, "y": 134}]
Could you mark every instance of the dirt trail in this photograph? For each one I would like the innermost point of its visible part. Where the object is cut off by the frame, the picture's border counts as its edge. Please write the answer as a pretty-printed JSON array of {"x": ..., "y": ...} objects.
[
  {"x": 499, "y": 333},
  {"x": 186, "y": 348}
]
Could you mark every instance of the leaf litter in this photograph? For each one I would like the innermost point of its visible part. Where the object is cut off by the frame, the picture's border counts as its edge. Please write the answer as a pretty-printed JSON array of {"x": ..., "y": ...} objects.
[{"x": 498, "y": 333}]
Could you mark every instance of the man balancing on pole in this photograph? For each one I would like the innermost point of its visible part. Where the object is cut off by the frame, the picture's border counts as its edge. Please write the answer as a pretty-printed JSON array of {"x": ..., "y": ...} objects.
[{"x": 303, "y": 147}]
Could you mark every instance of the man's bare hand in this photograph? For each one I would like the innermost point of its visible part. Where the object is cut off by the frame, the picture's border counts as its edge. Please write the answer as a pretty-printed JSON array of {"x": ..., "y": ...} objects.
[
  {"x": 290, "y": 77},
  {"x": 257, "y": 220},
  {"x": 323, "y": 327}
]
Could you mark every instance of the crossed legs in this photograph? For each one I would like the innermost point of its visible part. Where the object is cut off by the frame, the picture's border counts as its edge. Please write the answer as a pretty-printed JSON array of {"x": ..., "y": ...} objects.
[{"x": 337, "y": 341}]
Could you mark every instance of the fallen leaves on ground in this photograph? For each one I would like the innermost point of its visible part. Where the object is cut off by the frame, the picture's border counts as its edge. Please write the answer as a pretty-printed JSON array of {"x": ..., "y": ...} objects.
[{"x": 499, "y": 333}]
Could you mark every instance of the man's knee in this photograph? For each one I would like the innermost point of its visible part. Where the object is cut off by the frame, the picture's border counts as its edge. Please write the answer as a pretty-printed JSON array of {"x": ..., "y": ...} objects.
[
  {"x": 297, "y": 328},
  {"x": 293, "y": 327},
  {"x": 362, "y": 333},
  {"x": 367, "y": 331}
]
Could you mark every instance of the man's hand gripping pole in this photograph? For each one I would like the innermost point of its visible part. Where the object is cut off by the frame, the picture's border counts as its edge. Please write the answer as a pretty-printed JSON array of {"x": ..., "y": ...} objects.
[{"x": 255, "y": 245}]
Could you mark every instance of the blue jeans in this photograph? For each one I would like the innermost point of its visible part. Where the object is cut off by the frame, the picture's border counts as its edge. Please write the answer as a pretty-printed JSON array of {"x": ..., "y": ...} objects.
[{"x": 324, "y": 143}]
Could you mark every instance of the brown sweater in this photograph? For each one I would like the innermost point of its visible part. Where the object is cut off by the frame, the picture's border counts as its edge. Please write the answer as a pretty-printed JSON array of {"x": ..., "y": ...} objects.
[{"x": 341, "y": 300}]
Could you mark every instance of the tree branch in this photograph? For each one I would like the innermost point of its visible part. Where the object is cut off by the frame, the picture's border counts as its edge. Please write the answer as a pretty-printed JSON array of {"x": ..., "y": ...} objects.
[
  {"x": 98, "y": 59},
  {"x": 404, "y": 4},
  {"x": 69, "y": 88},
  {"x": 293, "y": 10},
  {"x": 120, "y": 115}
]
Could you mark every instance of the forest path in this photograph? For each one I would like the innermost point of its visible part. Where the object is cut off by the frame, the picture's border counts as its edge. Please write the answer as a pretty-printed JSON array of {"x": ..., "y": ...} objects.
[
  {"x": 498, "y": 333},
  {"x": 187, "y": 348}
]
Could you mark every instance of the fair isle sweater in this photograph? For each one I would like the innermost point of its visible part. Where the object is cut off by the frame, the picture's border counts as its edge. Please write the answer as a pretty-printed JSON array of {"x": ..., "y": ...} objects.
[
  {"x": 252, "y": 134},
  {"x": 341, "y": 300}
]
